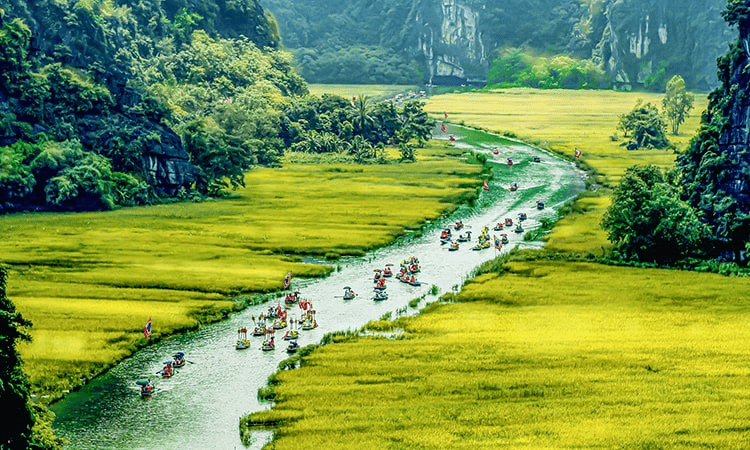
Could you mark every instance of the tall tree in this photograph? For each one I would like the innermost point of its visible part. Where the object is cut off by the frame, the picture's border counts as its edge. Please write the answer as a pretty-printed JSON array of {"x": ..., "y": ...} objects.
[
  {"x": 648, "y": 222},
  {"x": 16, "y": 429},
  {"x": 715, "y": 167},
  {"x": 677, "y": 103}
]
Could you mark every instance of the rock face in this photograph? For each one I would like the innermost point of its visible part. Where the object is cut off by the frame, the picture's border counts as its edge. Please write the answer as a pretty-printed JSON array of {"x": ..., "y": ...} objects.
[{"x": 641, "y": 37}]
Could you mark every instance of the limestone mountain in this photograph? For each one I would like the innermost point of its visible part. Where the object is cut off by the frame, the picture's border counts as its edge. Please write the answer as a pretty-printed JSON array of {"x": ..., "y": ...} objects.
[{"x": 637, "y": 42}]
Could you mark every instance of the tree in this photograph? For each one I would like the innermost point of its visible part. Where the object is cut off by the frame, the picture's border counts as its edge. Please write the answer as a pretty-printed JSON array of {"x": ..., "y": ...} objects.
[
  {"x": 14, "y": 387},
  {"x": 648, "y": 222},
  {"x": 677, "y": 103},
  {"x": 362, "y": 121},
  {"x": 645, "y": 126}
]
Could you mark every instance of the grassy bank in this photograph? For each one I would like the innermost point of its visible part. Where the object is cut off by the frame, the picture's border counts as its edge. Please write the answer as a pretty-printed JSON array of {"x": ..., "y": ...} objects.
[
  {"x": 546, "y": 355},
  {"x": 538, "y": 353},
  {"x": 90, "y": 281}
]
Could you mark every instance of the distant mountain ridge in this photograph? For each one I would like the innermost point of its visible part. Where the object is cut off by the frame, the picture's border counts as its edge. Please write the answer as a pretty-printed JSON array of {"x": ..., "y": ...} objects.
[{"x": 455, "y": 40}]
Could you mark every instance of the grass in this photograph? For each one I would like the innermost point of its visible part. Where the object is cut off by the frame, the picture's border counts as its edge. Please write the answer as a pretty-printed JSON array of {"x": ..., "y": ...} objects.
[
  {"x": 373, "y": 91},
  {"x": 538, "y": 353},
  {"x": 90, "y": 281},
  {"x": 610, "y": 357}
]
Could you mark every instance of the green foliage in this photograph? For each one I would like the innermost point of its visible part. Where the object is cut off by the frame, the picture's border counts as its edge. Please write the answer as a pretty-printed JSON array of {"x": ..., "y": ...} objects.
[
  {"x": 512, "y": 67},
  {"x": 645, "y": 127},
  {"x": 14, "y": 387},
  {"x": 363, "y": 64},
  {"x": 73, "y": 178},
  {"x": 648, "y": 222},
  {"x": 16, "y": 179},
  {"x": 677, "y": 103}
]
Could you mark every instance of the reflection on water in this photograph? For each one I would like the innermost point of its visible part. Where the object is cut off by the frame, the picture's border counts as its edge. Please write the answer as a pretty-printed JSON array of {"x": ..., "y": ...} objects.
[{"x": 200, "y": 407}]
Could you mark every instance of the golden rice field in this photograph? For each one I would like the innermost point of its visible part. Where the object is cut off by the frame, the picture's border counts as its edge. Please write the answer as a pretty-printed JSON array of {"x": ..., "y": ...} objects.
[
  {"x": 90, "y": 281},
  {"x": 373, "y": 91},
  {"x": 560, "y": 120},
  {"x": 545, "y": 355}
]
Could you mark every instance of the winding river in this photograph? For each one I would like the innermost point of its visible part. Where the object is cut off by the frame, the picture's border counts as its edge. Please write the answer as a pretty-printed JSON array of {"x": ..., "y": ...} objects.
[{"x": 200, "y": 407}]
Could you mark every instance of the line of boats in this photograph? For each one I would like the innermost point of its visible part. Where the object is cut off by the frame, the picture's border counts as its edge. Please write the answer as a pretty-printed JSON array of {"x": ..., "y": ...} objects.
[{"x": 147, "y": 387}]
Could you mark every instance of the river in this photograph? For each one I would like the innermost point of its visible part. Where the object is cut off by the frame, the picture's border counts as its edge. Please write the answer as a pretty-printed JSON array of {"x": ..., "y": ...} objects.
[{"x": 201, "y": 406}]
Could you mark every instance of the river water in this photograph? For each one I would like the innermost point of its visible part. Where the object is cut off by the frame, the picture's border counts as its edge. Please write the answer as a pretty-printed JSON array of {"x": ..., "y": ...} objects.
[{"x": 201, "y": 406}]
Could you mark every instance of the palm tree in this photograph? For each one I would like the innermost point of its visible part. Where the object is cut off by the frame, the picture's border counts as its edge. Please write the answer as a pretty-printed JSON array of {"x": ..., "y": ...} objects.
[{"x": 362, "y": 120}]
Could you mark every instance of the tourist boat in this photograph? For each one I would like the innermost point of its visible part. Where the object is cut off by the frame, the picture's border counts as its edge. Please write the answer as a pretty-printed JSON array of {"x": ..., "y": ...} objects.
[
  {"x": 522, "y": 216},
  {"x": 510, "y": 161},
  {"x": 292, "y": 347},
  {"x": 179, "y": 360},
  {"x": 498, "y": 227},
  {"x": 167, "y": 371},
  {"x": 410, "y": 280},
  {"x": 539, "y": 204},
  {"x": 513, "y": 186},
  {"x": 458, "y": 225},
  {"x": 242, "y": 342},
  {"x": 445, "y": 237},
  {"x": 349, "y": 293},
  {"x": 453, "y": 247},
  {"x": 508, "y": 222},
  {"x": 504, "y": 238},
  {"x": 464, "y": 237},
  {"x": 495, "y": 151},
  {"x": 291, "y": 334},
  {"x": 291, "y": 298},
  {"x": 279, "y": 324},
  {"x": 519, "y": 228},
  {"x": 146, "y": 387},
  {"x": 537, "y": 159},
  {"x": 387, "y": 272},
  {"x": 380, "y": 296},
  {"x": 268, "y": 345},
  {"x": 309, "y": 324}
]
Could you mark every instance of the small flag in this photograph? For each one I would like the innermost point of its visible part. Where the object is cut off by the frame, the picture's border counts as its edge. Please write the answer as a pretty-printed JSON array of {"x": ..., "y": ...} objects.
[
  {"x": 485, "y": 187},
  {"x": 147, "y": 328},
  {"x": 578, "y": 153}
]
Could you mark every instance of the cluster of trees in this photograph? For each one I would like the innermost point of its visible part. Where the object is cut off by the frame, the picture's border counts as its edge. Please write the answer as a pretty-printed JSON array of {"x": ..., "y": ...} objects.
[
  {"x": 646, "y": 127},
  {"x": 365, "y": 64},
  {"x": 177, "y": 109},
  {"x": 514, "y": 67},
  {"x": 702, "y": 208}
]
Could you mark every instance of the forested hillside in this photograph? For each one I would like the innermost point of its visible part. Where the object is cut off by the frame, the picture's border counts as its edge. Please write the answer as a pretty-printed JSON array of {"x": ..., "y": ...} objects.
[
  {"x": 114, "y": 102},
  {"x": 636, "y": 43}
]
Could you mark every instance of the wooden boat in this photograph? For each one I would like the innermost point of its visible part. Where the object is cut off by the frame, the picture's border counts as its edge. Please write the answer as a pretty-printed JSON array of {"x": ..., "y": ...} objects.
[
  {"x": 464, "y": 238},
  {"x": 522, "y": 216},
  {"x": 242, "y": 342},
  {"x": 513, "y": 186},
  {"x": 410, "y": 280},
  {"x": 146, "y": 388},
  {"x": 539, "y": 204},
  {"x": 537, "y": 159},
  {"x": 291, "y": 298},
  {"x": 458, "y": 225},
  {"x": 453, "y": 247},
  {"x": 268, "y": 345},
  {"x": 498, "y": 227},
  {"x": 179, "y": 360},
  {"x": 519, "y": 228},
  {"x": 291, "y": 334},
  {"x": 292, "y": 347},
  {"x": 380, "y": 296},
  {"x": 167, "y": 371},
  {"x": 504, "y": 238},
  {"x": 349, "y": 294}
]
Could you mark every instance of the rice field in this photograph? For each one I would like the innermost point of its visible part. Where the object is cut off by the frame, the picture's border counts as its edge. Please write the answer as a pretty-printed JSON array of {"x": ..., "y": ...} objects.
[
  {"x": 90, "y": 281},
  {"x": 544, "y": 355}
]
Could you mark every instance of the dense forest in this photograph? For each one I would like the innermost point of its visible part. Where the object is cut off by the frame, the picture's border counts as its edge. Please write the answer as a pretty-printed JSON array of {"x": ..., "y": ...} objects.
[
  {"x": 107, "y": 102},
  {"x": 600, "y": 43}
]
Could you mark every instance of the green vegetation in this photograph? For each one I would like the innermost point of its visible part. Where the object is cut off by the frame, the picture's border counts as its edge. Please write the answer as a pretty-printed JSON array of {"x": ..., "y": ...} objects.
[
  {"x": 513, "y": 67},
  {"x": 677, "y": 103},
  {"x": 28, "y": 425},
  {"x": 645, "y": 127},
  {"x": 648, "y": 222}
]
